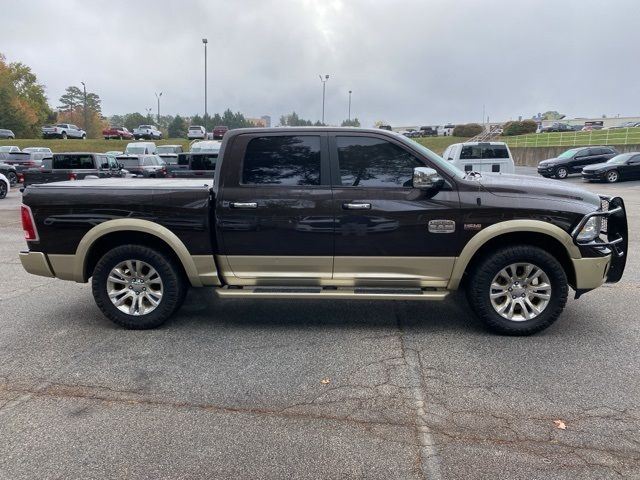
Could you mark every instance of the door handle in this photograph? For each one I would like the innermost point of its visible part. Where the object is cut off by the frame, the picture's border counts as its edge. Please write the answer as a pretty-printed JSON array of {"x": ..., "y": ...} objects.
[
  {"x": 356, "y": 206},
  {"x": 244, "y": 205}
]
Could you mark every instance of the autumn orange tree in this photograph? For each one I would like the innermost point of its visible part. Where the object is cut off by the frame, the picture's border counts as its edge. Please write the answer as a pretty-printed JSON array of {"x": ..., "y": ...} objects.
[{"x": 23, "y": 103}]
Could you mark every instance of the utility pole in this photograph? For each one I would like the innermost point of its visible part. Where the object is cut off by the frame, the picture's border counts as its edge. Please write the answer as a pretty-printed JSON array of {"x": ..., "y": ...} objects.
[
  {"x": 349, "y": 117},
  {"x": 149, "y": 113},
  {"x": 158, "y": 97},
  {"x": 205, "y": 41},
  {"x": 324, "y": 83},
  {"x": 84, "y": 87}
]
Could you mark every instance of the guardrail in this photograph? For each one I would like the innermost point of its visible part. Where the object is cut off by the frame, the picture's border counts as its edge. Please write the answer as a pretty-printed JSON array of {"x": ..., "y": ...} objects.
[{"x": 616, "y": 136}]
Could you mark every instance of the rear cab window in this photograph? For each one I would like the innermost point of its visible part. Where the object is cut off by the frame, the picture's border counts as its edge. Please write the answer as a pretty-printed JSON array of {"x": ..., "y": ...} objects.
[
  {"x": 70, "y": 162},
  {"x": 282, "y": 160}
]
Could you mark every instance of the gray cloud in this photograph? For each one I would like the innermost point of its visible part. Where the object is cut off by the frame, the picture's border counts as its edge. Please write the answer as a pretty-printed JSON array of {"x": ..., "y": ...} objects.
[{"x": 410, "y": 62}]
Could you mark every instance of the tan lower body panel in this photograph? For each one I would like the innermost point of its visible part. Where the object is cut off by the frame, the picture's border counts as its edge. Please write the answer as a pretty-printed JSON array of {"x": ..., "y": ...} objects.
[
  {"x": 591, "y": 272},
  {"x": 64, "y": 267},
  {"x": 239, "y": 270},
  {"x": 207, "y": 270}
]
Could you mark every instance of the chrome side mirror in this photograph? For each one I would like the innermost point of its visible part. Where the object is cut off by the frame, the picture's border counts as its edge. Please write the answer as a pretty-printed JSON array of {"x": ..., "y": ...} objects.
[{"x": 426, "y": 178}]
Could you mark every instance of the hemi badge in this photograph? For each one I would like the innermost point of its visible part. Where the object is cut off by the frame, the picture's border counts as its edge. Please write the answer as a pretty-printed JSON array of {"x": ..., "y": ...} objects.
[
  {"x": 473, "y": 226},
  {"x": 442, "y": 226}
]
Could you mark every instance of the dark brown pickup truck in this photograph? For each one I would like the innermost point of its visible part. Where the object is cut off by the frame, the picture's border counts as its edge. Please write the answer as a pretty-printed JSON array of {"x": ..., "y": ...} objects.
[{"x": 328, "y": 213}]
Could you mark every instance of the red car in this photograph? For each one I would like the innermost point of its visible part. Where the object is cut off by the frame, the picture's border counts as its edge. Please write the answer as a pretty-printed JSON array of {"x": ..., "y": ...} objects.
[
  {"x": 121, "y": 133},
  {"x": 219, "y": 131}
]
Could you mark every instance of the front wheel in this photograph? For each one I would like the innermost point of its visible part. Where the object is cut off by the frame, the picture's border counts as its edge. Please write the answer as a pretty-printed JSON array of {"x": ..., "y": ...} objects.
[
  {"x": 137, "y": 287},
  {"x": 84, "y": 137},
  {"x": 3, "y": 189},
  {"x": 518, "y": 290},
  {"x": 562, "y": 173},
  {"x": 612, "y": 176},
  {"x": 64, "y": 135}
]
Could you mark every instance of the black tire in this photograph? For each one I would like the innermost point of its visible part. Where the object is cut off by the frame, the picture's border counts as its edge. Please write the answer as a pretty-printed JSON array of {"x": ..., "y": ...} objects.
[
  {"x": 612, "y": 176},
  {"x": 84, "y": 137},
  {"x": 119, "y": 137},
  {"x": 12, "y": 177},
  {"x": 480, "y": 284},
  {"x": 561, "y": 173},
  {"x": 64, "y": 135},
  {"x": 3, "y": 189},
  {"x": 173, "y": 283}
]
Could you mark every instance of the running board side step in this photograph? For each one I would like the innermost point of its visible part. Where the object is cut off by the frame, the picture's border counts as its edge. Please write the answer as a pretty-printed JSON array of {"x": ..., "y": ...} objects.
[{"x": 334, "y": 293}]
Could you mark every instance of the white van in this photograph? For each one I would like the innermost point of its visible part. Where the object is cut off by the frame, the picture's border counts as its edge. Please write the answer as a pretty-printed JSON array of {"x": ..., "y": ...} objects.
[
  {"x": 141, "y": 148},
  {"x": 483, "y": 157}
]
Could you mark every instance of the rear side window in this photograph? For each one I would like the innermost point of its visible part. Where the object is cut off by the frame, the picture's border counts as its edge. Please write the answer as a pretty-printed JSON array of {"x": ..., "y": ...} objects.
[
  {"x": 282, "y": 160},
  {"x": 204, "y": 162},
  {"x": 73, "y": 161},
  {"x": 495, "y": 151},
  {"x": 183, "y": 159},
  {"x": 471, "y": 152},
  {"x": 373, "y": 162}
]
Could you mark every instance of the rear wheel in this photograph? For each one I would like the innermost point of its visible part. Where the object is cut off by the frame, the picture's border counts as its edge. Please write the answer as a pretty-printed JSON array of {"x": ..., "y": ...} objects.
[
  {"x": 64, "y": 135},
  {"x": 137, "y": 287},
  {"x": 612, "y": 176},
  {"x": 3, "y": 189},
  {"x": 561, "y": 173},
  {"x": 12, "y": 177},
  {"x": 518, "y": 290}
]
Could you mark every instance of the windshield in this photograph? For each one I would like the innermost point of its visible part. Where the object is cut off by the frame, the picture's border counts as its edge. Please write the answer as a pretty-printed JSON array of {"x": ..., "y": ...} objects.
[
  {"x": 568, "y": 153},
  {"x": 213, "y": 147},
  {"x": 166, "y": 149},
  {"x": 621, "y": 159},
  {"x": 437, "y": 159},
  {"x": 7, "y": 149},
  {"x": 129, "y": 162}
]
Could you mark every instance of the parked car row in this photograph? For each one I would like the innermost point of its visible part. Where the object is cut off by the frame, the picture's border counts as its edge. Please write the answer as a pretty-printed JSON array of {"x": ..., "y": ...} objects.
[{"x": 595, "y": 163}]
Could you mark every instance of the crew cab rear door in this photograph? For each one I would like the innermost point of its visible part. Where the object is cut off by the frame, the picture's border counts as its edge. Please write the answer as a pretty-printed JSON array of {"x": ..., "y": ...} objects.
[
  {"x": 386, "y": 230},
  {"x": 274, "y": 212}
]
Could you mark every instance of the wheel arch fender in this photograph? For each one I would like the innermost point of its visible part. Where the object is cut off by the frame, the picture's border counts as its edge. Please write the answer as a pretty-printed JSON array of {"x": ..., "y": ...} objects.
[
  {"x": 496, "y": 230},
  {"x": 135, "y": 225}
]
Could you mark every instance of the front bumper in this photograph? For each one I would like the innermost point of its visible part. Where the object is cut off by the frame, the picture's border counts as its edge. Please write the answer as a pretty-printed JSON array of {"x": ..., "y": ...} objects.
[
  {"x": 592, "y": 175},
  {"x": 546, "y": 171},
  {"x": 614, "y": 236},
  {"x": 36, "y": 263}
]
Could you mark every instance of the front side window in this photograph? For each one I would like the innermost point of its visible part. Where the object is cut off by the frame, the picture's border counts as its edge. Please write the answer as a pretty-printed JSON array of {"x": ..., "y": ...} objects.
[
  {"x": 282, "y": 160},
  {"x": 373, "y": 162}
]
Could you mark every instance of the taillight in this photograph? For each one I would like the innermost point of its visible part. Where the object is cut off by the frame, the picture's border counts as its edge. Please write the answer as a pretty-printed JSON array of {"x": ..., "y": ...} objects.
[
  {"x": 20, "y": 177},
  {"x": 28, "y": 225},
  {"x": 29, "y": 164},
  {"x": 73, "y": 176}
]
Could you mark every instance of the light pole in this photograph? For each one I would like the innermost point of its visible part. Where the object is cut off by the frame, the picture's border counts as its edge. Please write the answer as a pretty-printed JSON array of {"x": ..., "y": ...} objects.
[
  {"x": 158, "y": 97},
  {"x": 84, "y": 88},
  {"x": 324, "y": 84},
  {"x": 205, "y": 41},
  {"x": 349, "y": 106}
]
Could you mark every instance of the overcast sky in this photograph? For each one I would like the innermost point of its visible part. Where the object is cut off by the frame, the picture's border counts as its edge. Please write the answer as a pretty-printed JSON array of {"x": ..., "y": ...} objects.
[{"x": 408, "y": 62}]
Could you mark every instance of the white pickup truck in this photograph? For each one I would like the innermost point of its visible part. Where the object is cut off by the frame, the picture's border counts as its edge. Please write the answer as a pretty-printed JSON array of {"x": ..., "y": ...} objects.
[
  {"x": 148, "y": 132},
  {"x": 64, "y": 131}
]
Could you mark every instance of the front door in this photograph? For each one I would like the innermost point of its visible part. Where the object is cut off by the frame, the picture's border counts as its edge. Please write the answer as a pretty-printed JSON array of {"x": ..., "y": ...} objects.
[
  {"x": 276, "y": 222},
  {"x": 386, "y": 229}
]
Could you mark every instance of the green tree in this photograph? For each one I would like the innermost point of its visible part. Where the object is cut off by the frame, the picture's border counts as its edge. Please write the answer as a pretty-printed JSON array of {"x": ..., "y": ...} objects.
[
  {"x": 23, "y": 103},
  {"x": 178, "y": 127},
  {"x": 293, "y": 120},
  {"x": 197, "y": 120},
  {"x": 351, "y": 123}
]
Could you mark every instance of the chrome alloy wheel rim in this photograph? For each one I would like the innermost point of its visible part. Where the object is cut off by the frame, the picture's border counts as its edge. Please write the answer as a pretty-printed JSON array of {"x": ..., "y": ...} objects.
[
  {"x": 134, "y": 287},
  {"x": 612, "y": 176},
  {"x": 520, "y": 291}
]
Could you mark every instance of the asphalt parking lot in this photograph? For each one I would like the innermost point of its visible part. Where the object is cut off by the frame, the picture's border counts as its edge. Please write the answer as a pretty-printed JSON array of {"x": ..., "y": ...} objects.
[{"x": 277, "y": 389}]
